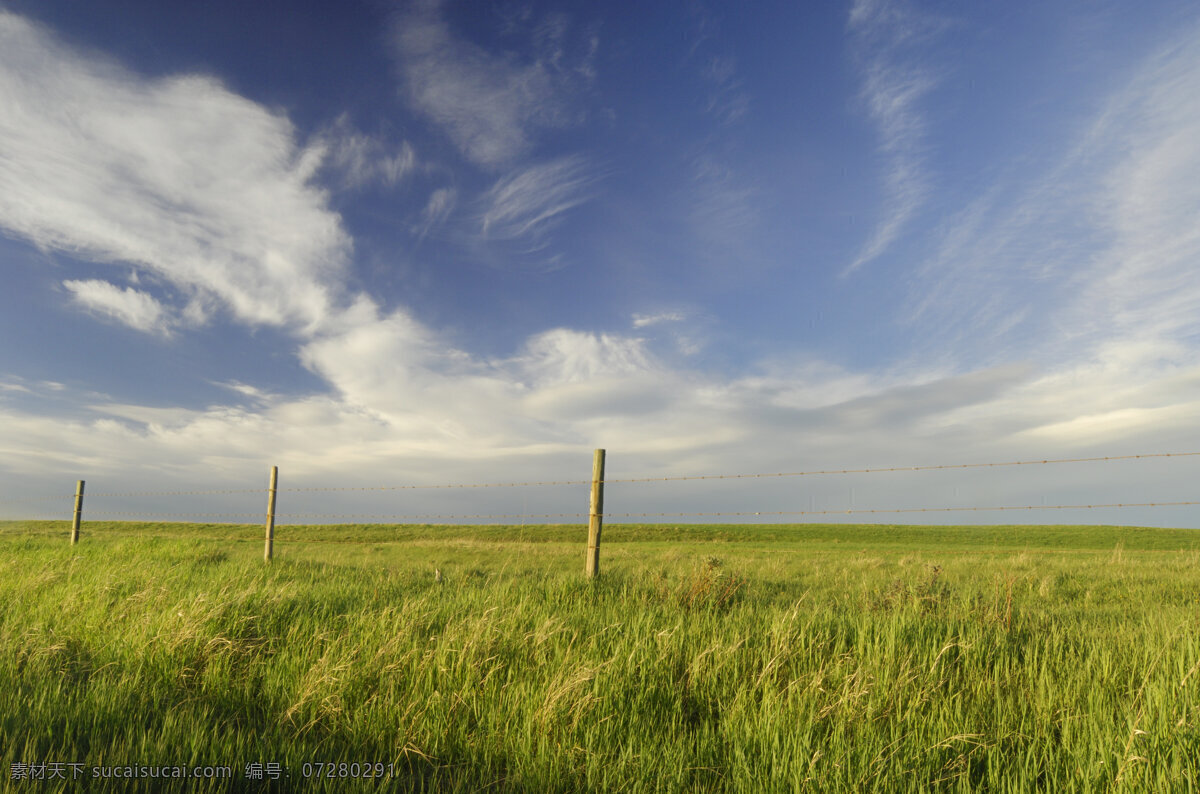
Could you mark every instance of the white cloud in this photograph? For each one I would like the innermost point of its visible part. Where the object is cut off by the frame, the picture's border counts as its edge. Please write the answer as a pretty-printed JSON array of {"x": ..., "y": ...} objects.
[
  {"x": 644, "y": 320},
  {"x": 139, "y": 310},
  {"x": 565, "y": 356},
  {"x": 394, "y": 369},
  {"x": 428, "y": 393},
  {"x": 246, "y": 390},
  {"x": 177, "y": 176},
  {"x": 527, "y": 203},
  {"x": 490, "y": 105},
  {"x": 1118, "y": 424},
  {"x": 684, "y": 331}
]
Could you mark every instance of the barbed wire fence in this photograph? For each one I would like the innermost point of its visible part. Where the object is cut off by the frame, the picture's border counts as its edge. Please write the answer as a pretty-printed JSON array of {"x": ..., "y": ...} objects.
[{"x": 50, "y": 504}]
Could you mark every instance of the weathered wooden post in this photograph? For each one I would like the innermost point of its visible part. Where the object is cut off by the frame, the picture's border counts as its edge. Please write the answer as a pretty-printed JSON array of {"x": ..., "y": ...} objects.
[
  {"x": 271, "y": 514},
  {"x": 595, "y": 515},
  {"x": 78, "y": 512}
]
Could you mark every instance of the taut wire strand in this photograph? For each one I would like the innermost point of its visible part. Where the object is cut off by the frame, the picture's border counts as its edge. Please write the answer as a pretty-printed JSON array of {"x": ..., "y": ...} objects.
[
  {"x": 896, "y": 510},
  {"x": 178, "y": 493},
  {"x": 897, "y": 468},
  {"x": 37, "y": 499},
  {"x": 171, "y": 515},
  {"x": 421, "y": 517},
  {"x": 425, "y": 487},
  {"x": 672, "y": 478}
]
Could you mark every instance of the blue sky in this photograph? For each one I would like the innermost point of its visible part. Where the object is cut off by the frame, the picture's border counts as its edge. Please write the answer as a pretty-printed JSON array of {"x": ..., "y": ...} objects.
[{"x": 380, "y": 243}]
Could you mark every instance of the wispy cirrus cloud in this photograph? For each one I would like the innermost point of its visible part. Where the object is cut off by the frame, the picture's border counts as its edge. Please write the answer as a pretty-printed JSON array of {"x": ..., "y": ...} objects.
[
  {"x": 177, "y": 176},
  {"x": 527, "y": 203},
  {"x": 490, "y": 105},
  {"x": 1094, "y": 254},
  {"x": 721, "y": 205},
  {"x": 894, "y": 83},
  {"x": 437, "y": 209},
  {"x": 727, "y": 100},
  {"x": 360, "y": 159},
  {"x": 1145, "y": 150}
]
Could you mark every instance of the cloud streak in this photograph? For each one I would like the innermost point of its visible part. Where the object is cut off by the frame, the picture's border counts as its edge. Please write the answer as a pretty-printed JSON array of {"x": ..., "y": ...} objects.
[
  {"x": 1149, "y": 198},
  {"x": 439, "y": 207},
  {"x": 893, "y": 87}
]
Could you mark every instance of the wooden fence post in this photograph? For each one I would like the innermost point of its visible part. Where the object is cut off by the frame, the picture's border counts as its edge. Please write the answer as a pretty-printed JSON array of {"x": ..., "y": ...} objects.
[
  {"x": 78, "y": 512},
  {"x": 595, "y": 515},
  {"x": 271, "y": 514}
]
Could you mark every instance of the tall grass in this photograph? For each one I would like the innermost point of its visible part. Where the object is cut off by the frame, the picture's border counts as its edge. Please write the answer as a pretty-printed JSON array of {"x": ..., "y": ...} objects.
[{"x": 704, "y": 659}]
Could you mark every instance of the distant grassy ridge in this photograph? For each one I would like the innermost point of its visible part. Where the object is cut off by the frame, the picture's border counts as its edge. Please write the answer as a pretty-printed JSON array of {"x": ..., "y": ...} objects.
[{"x": 1007, "y": 536}]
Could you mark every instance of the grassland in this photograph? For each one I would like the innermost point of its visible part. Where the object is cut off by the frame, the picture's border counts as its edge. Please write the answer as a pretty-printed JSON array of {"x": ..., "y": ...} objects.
[{"x": 747, "y": 658}]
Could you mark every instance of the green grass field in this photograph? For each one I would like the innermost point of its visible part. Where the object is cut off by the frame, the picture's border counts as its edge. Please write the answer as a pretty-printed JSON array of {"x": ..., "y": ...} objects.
[{"x": 705, "y": 658}]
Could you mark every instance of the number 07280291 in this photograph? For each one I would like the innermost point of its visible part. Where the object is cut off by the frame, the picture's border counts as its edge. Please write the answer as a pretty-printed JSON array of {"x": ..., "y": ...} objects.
[{"x": 321, "y": 769}]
